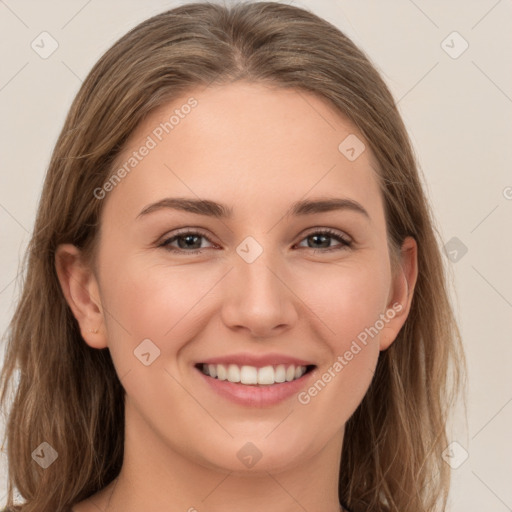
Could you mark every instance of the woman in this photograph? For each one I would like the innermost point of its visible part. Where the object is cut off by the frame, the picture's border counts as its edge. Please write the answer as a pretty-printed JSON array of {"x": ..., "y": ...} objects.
[{"x": 182, "y": 341}]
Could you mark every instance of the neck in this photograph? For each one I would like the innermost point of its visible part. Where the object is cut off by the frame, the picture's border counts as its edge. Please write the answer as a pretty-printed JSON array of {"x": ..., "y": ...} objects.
[{"x": 155, "y": 476}]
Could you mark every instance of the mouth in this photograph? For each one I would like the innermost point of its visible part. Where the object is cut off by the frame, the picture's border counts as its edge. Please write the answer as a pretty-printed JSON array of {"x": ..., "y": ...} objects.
[{"x": 247, "y": 375}]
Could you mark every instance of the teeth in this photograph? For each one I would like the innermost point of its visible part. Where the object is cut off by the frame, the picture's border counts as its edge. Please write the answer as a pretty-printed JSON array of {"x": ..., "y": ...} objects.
[
  {"x": 233, "y": 373},
  {"x": 212, "y": 370},
  {"x": 250, "y": 375},
  {"x": 266, "y": 375},
  {"x": 280, "y": 373},
  {"x": 222, "y": 373}
]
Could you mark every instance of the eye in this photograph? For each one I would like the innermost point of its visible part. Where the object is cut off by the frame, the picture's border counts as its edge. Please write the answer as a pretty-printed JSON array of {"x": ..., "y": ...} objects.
[
  {"x": 323, "y": 238},
  {"x": 189, "y": 242},
  {"x": 186, "y": 240}
]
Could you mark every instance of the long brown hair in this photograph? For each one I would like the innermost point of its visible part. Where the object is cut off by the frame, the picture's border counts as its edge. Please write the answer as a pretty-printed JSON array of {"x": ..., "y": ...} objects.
[{"x": 68, "y": 394}]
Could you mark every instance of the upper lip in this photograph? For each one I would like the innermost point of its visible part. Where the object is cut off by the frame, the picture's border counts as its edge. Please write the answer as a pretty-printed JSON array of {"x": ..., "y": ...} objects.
[{"x": 259, "y": 361}]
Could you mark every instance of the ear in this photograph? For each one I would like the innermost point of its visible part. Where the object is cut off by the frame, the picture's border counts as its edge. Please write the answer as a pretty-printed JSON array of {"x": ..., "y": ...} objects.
[
  {"x": 80, "y": 288},
  {"x": 401, "y": 293}
]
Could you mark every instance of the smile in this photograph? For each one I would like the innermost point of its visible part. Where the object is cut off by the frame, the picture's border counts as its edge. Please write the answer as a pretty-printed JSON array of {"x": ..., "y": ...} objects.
[{"x": 252, "y": 376}]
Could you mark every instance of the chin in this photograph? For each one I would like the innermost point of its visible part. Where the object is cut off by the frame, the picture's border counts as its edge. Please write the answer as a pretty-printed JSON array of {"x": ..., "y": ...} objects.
[{"x": 248, "y": 455}]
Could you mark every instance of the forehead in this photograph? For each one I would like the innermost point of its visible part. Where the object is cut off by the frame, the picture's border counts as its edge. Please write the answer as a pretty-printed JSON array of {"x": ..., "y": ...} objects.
[{"x": 247, "y": 145}]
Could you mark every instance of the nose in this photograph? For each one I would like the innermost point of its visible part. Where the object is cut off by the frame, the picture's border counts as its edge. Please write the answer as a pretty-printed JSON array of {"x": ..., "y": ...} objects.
[{"x": 259, "y": 298}]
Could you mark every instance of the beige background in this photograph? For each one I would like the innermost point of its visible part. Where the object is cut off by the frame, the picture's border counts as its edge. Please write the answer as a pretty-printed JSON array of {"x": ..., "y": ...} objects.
[{"x": 457, "y": 110}]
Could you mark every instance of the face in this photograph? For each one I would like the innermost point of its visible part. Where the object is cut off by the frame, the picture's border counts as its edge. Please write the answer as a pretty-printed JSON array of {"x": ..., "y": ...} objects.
[{"x": 289, "y": 269}]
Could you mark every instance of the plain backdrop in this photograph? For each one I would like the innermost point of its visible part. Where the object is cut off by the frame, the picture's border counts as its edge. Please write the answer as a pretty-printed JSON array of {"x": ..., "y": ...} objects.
[{"x": 448, "y": 66}]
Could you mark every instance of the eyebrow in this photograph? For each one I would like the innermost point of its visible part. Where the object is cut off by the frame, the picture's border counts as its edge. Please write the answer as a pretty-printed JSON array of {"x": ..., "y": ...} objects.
[{"x": 217, "y": 210}]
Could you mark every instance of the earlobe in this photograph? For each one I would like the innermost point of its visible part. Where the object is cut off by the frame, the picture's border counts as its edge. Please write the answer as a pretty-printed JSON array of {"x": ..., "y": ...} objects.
[
  {"x": 402, "y": 292},
  {"x": 80, "y": 289}
]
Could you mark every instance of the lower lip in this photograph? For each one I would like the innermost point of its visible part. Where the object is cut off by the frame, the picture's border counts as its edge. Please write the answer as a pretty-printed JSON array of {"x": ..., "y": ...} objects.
[{"x": 257, "y": 395}]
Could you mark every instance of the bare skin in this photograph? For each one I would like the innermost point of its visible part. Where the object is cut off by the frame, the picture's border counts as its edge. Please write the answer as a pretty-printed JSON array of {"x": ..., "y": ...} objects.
[{"x": 257, "y": 150}]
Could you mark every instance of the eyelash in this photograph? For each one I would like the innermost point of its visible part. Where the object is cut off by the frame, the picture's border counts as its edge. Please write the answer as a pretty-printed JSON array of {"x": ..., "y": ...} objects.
[{"x": 345, "y": 242}]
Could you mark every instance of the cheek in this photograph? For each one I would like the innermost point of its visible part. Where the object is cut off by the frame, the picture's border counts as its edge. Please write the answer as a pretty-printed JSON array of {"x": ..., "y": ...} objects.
[
  {"x": 155, "y": 311},
  {"x": 164, "y": 303},
  {"x": 158, "y": 302},
  {"x": 347, "y": 297},
  {"x": 350, "y": 300}
]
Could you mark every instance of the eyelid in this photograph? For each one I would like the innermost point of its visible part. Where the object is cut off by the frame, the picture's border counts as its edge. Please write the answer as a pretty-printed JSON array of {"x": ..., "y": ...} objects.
[
  {"x": 184, "y": 231},
  {"x": 345, "y": 241},
  {"x": 188, "y": 230},
  {"x": 193, "y": 229},
  {"x": 331, "y": 231}
]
